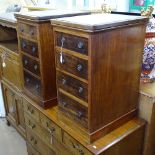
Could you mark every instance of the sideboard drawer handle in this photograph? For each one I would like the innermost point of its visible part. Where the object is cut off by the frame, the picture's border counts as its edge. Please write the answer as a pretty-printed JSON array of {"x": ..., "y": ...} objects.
[
  {"x": 25, "y": 62},
  {"x": 79, "y": 114},
  {"x": 64, "y": 81},
  {"x": 31, "y": 32},
  {"x": 27, "y": 80},
  {"x": 23, "y": 45}
]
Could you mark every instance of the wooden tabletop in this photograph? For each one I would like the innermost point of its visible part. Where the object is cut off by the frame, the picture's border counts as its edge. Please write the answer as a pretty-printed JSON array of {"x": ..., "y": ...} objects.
[
  {"x": 39, "y": 16},
  {"x": 97, "y": 22}
]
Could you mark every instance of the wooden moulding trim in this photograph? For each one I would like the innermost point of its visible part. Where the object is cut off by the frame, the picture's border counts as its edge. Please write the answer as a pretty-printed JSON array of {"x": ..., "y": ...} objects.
[
  {"x": 68, "y": 31},
  {"x": 82, "y": 56},
  {"x": 27, "y": 38},
  {"x": 111, "y": 126},
  {"x": 73, "y": 97},
  {"x": 32, "y": 74},
  {"x": 32, "y": 57},
  {"x": 74, "y": 76}
]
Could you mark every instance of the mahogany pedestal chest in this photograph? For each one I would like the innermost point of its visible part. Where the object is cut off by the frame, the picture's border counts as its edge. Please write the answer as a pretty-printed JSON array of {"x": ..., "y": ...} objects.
[{"x": 98, "y": 64}]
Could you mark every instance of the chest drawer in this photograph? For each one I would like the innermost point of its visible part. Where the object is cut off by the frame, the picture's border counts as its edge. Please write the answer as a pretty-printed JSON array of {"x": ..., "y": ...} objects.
[
  {"x": 31, "y": 150},
  {"x": 29, "y": 47},
  {"x": 74, "y": 146},
  {"x": 74, "y": 43},
  {"x": 72, "y": 85},
  {"x": 73, "y": 109},
  {"x": 36, "y": 142},
  {"x": 32, "y": 111},
  {"x": 32, "y": 84},
  {"x": 51, "y": 127},
  {"x": 72, "y": 64},
  {"x": 32, "y": 124},
  {"x": 27, "y": 30},
  {"x": 31, "y": 65}
]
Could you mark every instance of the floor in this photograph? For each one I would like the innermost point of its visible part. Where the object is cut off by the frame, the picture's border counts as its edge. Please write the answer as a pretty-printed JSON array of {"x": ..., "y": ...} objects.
[{"x": 11, "y": 143}]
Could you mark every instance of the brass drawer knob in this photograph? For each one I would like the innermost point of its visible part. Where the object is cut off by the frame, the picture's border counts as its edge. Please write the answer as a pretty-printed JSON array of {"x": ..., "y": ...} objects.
[
  {"x": 64, "y": 81},
  {"x": 79, "y": 67},
  {"x": 33, "y": 49},
  {"x": 80, "y": 45},
  {"x": 35, "y": 67},
  {"x": 25, "y": 62},
  {"x": 80, "y": 90},
  {"x": 27, "y": 80}
]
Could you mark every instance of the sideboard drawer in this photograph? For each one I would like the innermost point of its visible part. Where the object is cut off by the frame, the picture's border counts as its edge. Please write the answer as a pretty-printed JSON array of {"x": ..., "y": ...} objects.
[
  {"x": 38, "y": 144},
  {"x": 10, "y": 69},
  {"x": 72, "y": 64},
  {"x": 31, "y": 150},
  {"x": 73, "y": 86},
  {"x": 73, "y": 109},
  {"x": 31, "y": 124},
  {"x": 27, "y": 30},
  {"x": 51, "y": 127},
  {"x": 29, "y": 47},
  {"x": 71, "y": 42},
  {"x": 32, "y": 111},
  {"x": 32, "y": 84},
  {"x": 74, "y": 146},
  {"x": 31, "y": 65}
]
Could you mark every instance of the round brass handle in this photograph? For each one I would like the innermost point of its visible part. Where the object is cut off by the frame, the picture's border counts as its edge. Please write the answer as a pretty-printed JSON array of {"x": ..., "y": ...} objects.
[
  {"x": 80, "y": 45},
  {"x": 25, "y": 62},
  {"x": 37, "y": 86},
  {"x": 35, "y": 67},
  {"x": 80, "y": 90},
  {"x": 64, "y": 81},
  {"x": 27, "y": 80},
  {"x": 33, "y": 49},
  {"x": 23, "y": 45},
  {"x": 79, "y": 67}
]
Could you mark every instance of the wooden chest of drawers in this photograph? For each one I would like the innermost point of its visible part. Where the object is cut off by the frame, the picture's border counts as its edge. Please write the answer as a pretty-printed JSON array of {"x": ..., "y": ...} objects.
[
  {"x": 37, "y": 53},
  {"x": 98, "y": 64}
]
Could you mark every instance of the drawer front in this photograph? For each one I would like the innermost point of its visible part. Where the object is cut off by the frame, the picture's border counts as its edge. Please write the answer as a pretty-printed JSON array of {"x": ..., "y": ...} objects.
[
  {"x": 10, "y": 69},
  {"x": 51, "y": 127},
  {"x": 31, "y": 150},
  {"x": 31, "y": 124},
  {"x": 27, "y": 30},
  {"x": 74, "y": 146},
  {"x": 29, "y": 47},
  {"x": 32, "y": 84},
  {"x": 73, "y": 109},
  {"x": 74, "y": 43},
  {"x": 73, "y": 86},
  {"x": 38, "y": 144},
  {"x": 32, "y": 111},
  {"x": 74, "y": 65},
  {"x": 31, "y": 65}
]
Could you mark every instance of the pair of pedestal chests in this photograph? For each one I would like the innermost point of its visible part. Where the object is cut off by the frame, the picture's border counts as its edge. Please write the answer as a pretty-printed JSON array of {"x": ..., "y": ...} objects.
[{"x": 89, "y": 64}]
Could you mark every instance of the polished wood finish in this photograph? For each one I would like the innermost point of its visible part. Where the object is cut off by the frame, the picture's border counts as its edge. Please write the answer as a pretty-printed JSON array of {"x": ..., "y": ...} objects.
[
  {"x": 147, "y": 112},
  {"x": 112, "y": 69},
  {"x": 31, "y": 150},
  {"x": 36, "y": 41},
  {"x": 10, "y": 71},
  {"x": 125, "y": 140},
  {"x": 14, "y": 108}
]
